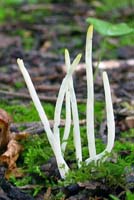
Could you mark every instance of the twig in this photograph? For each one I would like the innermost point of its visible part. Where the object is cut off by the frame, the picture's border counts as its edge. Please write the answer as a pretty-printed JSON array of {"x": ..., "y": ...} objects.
[
  {"x": 110, "y": 64},
  {"x": 21, "y": 95},
  {"x": 37, "y": 127},
  {"x": 28, "y": 187},
  {"x": 44, "y": 88}
]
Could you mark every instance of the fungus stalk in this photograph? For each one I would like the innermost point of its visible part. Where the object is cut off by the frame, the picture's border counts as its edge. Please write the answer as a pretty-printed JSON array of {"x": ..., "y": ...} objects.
[
  {"x": 63, "y": 89},
  {"x": 53, "y": 140},
  {"x": 109, "y": 113},
  {"x": 70, "y": 91},
  {"x": 110, "y": 122},
  {"x": 90, "y": 94},
  {"x": 75, "y": 115},
  {"x": 67, "y": 91},
  {"x": 67, "y": 122},
  {"x": 68, "y": 108}
]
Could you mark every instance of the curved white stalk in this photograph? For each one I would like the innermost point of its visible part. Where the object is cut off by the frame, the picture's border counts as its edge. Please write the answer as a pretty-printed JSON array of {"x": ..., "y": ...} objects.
[
  {"x": 74, "y": 64},
  {"x": 62, "y": 165},
  {"x": 61, "y": 95},
  {"x": 109, "y": 113},
  {"x": 110, "y": 122},
  {"x": 67, "y": 123},
  {"x": 67, "y": 60},
  {"x": 58, "y": 106},
  {"x": 77, "y": 137},
  {"x": 55, "y": 144},
  {"x": 36, "y": 100},
  {"x": 96, "y": 158},
  {"x": 90, "y": 94},
  {"x": 68, "y": 108}
]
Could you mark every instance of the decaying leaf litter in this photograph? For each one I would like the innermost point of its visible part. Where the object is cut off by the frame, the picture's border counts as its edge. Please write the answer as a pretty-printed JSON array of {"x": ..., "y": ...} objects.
[{"x": 47, "y": 77}]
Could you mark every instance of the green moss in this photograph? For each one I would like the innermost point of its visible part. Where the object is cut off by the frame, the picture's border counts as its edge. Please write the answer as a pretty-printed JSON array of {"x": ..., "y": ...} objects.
[
  {"x": 6, "y": 14},
  {"x": 28, "y": 112},
  {"x": 129, "y": 135},
  {"x": 19, "y": 85},
  {"x": 98, "y": 110},
  {"x": 37, "y": 152},
  {"x": 25, "y": 113}
]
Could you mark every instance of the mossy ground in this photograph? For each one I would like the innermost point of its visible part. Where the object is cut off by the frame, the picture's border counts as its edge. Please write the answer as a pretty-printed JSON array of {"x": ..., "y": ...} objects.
[{"x": 37, "y": 152}]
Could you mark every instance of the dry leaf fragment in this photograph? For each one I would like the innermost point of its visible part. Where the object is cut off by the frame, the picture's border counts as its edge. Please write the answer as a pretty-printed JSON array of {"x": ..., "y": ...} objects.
[
  {"x": 11, "y": 154},
  {"x": 16, "y": 172},
  {"x": 19, "y": 136},
  {"x": 8, "y": 141}
]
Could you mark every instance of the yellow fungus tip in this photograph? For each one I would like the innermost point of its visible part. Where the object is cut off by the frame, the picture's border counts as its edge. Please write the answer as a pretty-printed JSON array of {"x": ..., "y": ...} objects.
[
  {"x": 90, "y": 31},
  {"x": 66, "y": 51},
  {"x": 79, "y": 55}
]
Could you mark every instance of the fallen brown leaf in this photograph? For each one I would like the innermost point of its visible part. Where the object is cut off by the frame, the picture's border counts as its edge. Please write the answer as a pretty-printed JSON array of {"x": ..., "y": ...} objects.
[
  {"x": 11, "y": 154},
  {"x": 9, "y": 145}
]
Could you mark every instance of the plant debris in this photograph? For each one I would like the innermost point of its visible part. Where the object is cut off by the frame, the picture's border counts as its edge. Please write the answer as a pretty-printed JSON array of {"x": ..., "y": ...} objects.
[{"x": 9, "y": 144}]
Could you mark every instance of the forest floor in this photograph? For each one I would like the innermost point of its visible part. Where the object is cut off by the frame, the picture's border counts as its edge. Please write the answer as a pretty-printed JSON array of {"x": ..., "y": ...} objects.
[{"x": 39, "y": 34}]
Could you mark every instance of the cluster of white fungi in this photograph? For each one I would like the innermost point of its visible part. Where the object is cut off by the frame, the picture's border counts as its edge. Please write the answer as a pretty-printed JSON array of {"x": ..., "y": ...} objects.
[{"x": 67, "y": 92}]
